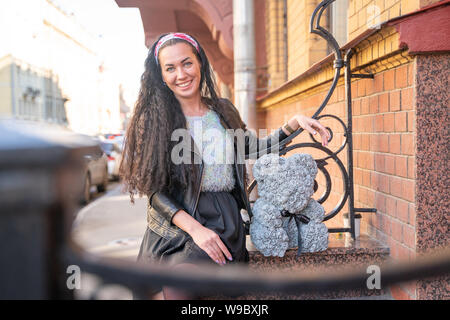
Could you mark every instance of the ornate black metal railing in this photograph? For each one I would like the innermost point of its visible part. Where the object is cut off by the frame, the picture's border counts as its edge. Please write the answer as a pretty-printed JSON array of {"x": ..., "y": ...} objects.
[{"x": 347, "y": 173}]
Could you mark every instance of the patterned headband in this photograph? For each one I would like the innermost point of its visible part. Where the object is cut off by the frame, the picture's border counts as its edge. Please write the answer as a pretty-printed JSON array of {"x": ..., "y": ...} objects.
[{"x": 170, "y": 36}]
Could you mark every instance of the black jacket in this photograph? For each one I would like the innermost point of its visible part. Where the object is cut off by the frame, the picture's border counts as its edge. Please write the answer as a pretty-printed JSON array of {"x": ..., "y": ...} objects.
[{"x": 163, "y": 206}]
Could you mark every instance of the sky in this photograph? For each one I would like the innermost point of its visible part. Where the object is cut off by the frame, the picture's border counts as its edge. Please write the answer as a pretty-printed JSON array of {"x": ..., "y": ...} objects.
[
  {"x": 122, "y": 37},
  {"x": 118, "y": 33}
]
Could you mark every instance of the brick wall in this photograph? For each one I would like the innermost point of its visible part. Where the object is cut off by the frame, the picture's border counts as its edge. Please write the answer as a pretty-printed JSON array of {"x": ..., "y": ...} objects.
[
  {"x": 395, "y": 135},
  {"x": 384, "y": 126},
  {"x": 275, "y": 44},
  {"x": 384, "y": 155},
  {"x": 304, "y": 48},
  {"x": 364, "y": 14}
]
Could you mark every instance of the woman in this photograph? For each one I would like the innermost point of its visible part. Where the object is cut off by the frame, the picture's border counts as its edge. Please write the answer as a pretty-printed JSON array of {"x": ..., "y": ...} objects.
[{"x": 194, "y": 206}]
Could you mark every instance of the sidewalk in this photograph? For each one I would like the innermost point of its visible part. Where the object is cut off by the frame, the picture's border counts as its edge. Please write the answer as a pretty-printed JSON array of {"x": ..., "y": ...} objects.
[{"x": 111, "y": 226}]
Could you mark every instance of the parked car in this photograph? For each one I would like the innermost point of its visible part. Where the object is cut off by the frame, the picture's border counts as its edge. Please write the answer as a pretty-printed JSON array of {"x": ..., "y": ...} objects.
[
  {"x": 96, "y": 172},
  {"x": 113, "y": 151},
  {"x": 119, "y": 140},
  {"x": 108, "y": 136}
]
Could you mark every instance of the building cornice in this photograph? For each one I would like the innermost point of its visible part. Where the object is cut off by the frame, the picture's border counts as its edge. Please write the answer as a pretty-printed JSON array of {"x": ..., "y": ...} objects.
[{"x": 376, "y": 50}]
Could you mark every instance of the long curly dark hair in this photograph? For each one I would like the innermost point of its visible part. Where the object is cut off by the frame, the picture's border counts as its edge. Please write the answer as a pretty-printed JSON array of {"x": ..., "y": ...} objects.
[{"x": 146, "y": 164}]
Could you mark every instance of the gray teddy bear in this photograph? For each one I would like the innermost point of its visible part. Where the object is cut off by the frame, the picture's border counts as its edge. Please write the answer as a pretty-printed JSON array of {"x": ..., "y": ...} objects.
[{"x": 285, "y": 187}]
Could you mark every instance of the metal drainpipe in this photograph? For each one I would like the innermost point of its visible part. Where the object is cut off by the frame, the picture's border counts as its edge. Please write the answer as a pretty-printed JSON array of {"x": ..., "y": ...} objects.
[
  {"x": 285, "y": 40},
  {"x": 245, "y": 67},
  {"x": 244, "y": 61}
]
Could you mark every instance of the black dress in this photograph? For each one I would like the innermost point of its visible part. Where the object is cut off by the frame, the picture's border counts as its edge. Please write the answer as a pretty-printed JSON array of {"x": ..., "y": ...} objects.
[{"x": 217, "y": 211}]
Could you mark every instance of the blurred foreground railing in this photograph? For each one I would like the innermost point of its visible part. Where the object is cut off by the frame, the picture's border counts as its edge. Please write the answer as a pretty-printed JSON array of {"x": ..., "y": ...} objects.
[
  {"x": 40, "y": 188},
  {"x": 235, "y": 280}
]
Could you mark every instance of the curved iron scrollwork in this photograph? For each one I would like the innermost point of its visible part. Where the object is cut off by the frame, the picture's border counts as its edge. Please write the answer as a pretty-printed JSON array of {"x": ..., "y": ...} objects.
[{"x": 347, "y": 176}]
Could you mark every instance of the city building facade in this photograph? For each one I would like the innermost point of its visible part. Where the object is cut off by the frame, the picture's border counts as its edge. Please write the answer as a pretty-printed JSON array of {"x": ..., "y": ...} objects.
[
  {"x": 400, "y": 117},
  {"x": 52, "y": 70},
  {"x": 30, "y": 93}
]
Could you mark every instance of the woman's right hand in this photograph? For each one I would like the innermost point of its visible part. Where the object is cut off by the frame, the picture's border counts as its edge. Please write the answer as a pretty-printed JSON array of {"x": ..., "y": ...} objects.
[
  {"x": 210, "y": 242},
  {"x": 205, "y": 238}
]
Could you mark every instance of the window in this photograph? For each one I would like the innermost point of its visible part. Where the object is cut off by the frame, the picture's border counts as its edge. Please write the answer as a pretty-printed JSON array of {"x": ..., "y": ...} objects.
[{"x": 338, "y": 21}]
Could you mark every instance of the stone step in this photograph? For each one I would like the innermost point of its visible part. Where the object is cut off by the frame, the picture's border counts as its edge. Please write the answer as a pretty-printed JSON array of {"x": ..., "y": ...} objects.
[{"x": 342, "y": 252}]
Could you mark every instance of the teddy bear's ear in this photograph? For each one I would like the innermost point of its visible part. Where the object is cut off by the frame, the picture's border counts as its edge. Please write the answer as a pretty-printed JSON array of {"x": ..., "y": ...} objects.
[
  {"x": 281, "y": 162},
  {"x": 303, "y": 160},
  {"x": 311, "y": 163},
  {"x": 297, "y": 159},
  {"x": 268, "y": 164},
  {"x": 257, "y": 172},
  {"x": 259, "y": 166}
]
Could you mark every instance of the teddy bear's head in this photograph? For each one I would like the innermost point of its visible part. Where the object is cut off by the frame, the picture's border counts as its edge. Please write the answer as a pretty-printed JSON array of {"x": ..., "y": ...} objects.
[{"x": 288, "y": 182}]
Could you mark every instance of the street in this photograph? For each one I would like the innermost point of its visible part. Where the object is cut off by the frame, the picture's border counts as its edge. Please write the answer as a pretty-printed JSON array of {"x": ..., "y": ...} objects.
[{"x": 109, "y": 226}]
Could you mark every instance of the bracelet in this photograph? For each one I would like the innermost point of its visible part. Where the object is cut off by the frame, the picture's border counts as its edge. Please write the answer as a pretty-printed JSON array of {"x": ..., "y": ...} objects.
[{"x": 288, "y": 128}]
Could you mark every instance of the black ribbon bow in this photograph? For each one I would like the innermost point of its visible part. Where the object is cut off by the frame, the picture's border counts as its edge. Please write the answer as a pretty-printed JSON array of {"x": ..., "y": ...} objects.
[{"x": 299, "y": 218}]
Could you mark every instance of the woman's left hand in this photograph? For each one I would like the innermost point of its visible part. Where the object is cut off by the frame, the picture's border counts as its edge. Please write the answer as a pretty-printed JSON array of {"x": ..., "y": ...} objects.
[{"x": 312, "y": 126}]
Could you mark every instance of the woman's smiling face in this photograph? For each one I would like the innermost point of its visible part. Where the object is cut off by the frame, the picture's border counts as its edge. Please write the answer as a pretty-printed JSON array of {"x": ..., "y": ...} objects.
[{"x": 180, "y": 70}]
